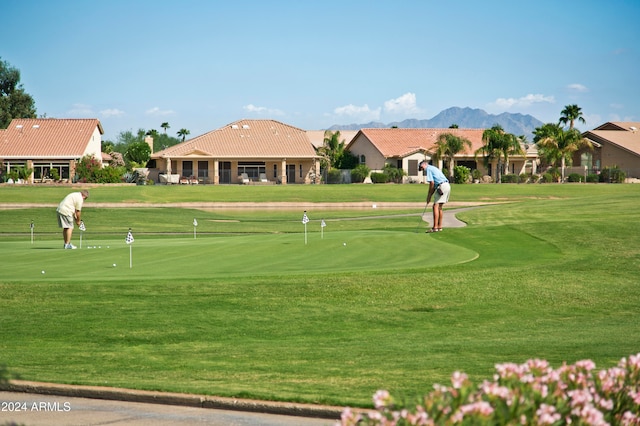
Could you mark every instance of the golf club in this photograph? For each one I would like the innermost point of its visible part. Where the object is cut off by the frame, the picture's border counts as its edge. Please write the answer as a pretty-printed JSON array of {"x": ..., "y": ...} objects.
[{"x": 421, "y": 216}]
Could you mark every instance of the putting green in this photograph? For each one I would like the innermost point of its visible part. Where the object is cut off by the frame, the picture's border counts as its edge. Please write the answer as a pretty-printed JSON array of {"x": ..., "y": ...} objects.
[{"x": 172, "y": 258}]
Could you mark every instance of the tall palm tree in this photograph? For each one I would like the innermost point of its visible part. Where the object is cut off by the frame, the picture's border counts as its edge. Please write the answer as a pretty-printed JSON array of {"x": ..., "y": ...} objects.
[
  {"x": 555, "y": 143},
  {"x": 570, "y": 114},
  {"x": 165, "y": 126},
  {"x": 332, "y": 149},
  {"x": 447, "y": 146},
  {"x": 499, "y": 145},
  {"x": 183, "y": 133}
]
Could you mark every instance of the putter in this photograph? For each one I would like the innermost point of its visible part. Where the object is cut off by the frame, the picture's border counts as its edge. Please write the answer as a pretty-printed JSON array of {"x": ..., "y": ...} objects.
[{"x": 421, "y": 216}]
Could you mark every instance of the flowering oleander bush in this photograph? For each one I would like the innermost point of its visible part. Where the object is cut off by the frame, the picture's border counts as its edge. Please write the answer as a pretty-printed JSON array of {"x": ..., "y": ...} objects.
[{"x": 532, "y": 393}]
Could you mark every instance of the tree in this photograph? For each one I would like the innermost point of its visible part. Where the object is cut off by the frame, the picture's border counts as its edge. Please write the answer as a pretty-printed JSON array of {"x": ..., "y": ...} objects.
[
  {"x": 332, "y": 150},
  {"x": 499, "y": 145},
  {"x": 570, "y": 114},
  {"x": 138, "y": 153},
  {"x": 447, "y": 146},
  {"x": 183, "y": 133},
  {"x": 165, "y": 126},
  {"x": 557, "y": 144},
  {"x": 14, "y": 101}
]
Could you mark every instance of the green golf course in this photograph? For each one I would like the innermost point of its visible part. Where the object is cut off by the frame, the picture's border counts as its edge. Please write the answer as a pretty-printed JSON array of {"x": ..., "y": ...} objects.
[{"x": 252, "y": 303}]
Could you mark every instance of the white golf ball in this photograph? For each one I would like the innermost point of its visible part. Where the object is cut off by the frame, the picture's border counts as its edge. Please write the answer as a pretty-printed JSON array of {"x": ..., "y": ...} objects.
[
  {"x": 43, "y": 272},
  {"x": 114, "y": 265},
  {"x": 344, "y": 244}
]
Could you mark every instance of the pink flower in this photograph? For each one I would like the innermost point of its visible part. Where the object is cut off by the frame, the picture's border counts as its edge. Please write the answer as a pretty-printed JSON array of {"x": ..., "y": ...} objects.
[
  {"x": 381, "y": 399},
  {"x": 547, "y": 414},
  {"x": 458, "y": 379}
]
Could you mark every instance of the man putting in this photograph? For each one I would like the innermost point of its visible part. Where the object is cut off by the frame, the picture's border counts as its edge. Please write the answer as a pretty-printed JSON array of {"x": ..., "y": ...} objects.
[
  {"x": 438, "y": 185},
  {"x": 69, "y": 211}
]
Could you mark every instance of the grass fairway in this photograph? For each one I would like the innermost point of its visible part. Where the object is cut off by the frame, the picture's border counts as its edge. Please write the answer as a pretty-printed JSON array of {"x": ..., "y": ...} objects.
[{"x": 248, "y": 309}]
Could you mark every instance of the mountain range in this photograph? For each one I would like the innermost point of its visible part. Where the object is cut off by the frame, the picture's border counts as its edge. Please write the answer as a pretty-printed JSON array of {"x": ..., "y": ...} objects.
[{"x": 465, "y": 118}]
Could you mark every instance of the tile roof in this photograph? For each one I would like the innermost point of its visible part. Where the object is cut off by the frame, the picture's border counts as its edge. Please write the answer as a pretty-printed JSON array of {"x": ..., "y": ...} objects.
[
  {"x": 317, "y": 136},
  {"x": 47, "y": 137},
  {"x": 246, "y": 139},
  {"x": 395, "y": 142},
  {"x": 621, "y": 134}
]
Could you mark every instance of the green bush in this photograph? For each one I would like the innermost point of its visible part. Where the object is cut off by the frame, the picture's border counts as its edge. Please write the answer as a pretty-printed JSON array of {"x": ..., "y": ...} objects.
[
  {"x": 593, "y": 178},
  {"x": 612, "y": 174},
  {"x": 547, "y": 177},
  {"x": 379, "y": 178},
  {"x": 393, "y": 173},
  {"x": 575, "y": 177},
  {"x": 461, "y": 174},
  {"x": 511, "y": 178},
  {"x": 476, "y": 174},
  {"x": 334, "y": 176},
  {"x": 359, "y": 173}
]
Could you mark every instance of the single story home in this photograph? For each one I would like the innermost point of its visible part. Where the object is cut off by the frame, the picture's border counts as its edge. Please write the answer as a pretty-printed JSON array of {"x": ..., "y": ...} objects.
[
  {"x": 406, "y": 148},
  {"x": 43, "y": 144},
  {"x": 245, "y": 151},
  {"x": 614, "y": 144}
]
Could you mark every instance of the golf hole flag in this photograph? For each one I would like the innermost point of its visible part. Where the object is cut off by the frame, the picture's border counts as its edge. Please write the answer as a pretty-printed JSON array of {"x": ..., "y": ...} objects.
[
  {"x": 82, "y": 227},
  {"x": 195, "y": 224},
  {"x": 129, "y": 238},
  {"x": 305, "y": 220}
]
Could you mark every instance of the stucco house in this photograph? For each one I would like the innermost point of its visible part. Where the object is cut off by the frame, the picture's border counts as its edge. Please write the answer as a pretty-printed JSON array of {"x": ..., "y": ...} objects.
[
  {"x": 614, "y": 144},
  {"x": 44, "y": 144},
  {"x": 245, "y": 151},
  {"x": 405, "y": 148}
]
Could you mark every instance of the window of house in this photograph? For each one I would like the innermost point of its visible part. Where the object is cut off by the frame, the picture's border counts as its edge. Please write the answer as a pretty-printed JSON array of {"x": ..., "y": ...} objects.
[
  {"x": 301, "y": 170},
  {"x": 275, "y": 170},
  {"x": 363, "y": 159},
  {"x": 187, "y": 168}
]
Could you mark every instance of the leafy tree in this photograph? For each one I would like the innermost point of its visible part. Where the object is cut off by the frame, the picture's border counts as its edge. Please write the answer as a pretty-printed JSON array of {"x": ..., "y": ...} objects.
[
  {"x": 393, "y": 173},
  {"x": 165, "y": 126},
  {"x": 557, "y": 144},
  {"x": 570, "y": 114},
  {"x": 138, "y": 153},
  {"x": 14, "y": 101},
  {"x": 447, "y": 146},
  {"x": 453, "y": 126},
  {"x": 183, "y": 133},
  {"x": 499, "y": 145}
]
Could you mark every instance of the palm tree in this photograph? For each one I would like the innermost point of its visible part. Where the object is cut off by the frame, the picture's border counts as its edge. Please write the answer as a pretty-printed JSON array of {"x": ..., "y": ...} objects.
[
  {"x": 570, "y": 114},
  {"x": 165, "y": 126},
  {"x": 183, "y": 133},
  {"x": 499, "y": 145},
  {"x": 555, "y": 143},
  {"x": 332, "y": 149},
  {"x": 447, "y": 146}
]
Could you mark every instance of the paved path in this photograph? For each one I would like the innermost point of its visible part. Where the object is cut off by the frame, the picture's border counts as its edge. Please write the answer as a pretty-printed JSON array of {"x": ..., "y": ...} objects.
[{"x": 122, "y": 407}]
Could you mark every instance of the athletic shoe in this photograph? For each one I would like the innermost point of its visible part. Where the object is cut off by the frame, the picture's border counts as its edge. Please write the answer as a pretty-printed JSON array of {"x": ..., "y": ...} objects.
[{"x": 70, "y": 246}]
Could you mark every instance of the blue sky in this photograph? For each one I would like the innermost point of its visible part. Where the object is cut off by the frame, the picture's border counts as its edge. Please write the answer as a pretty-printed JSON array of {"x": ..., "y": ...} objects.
[{"x": 200, "y": 64}]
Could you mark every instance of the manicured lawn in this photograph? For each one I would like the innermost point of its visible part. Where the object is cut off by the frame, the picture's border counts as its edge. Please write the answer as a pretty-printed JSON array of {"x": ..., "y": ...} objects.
[{"x": 248, "y": 309}]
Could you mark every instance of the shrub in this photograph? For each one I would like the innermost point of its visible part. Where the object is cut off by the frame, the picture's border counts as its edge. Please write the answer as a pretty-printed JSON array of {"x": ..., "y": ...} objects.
[
  {"x": 334, "y": 176},
  {"x": 359, "y": 173},
  {"x": 55, "y": 175},
  {"x": 612, "y": 174},
  {"x": 476, "y": 174},
  {"x": 461, "y": 174},
  {"x": 575, "y": 177},
  {"x": 379, "y": 178},
  {"x": 547, "y": 177},
  {"x": 529, "y": 393},
  {"x": 393, "y": 173},
  {"x": 511, "y": 178},
  {"x": 593, "y": 178}
]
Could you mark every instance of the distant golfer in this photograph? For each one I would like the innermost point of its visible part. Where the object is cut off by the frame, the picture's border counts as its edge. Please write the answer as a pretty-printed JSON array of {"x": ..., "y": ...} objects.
[
  {"x": 438, "y": 185},
  {"x": 69, "y": 211}
]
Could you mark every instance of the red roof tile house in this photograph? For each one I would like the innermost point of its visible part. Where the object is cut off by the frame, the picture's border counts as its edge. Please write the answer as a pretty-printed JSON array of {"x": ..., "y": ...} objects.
[
  {"x": 615, "y": 144},
  {"x": 245, "y": 151},
  {"x": 406, "y": 148},
  {"x": 49, "y": 143}
]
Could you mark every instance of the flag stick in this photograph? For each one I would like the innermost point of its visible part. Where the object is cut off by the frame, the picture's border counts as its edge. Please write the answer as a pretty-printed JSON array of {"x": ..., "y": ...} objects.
[
  {"x": 81, "y": 238},
  {"x": 130, "y": 256},
  {"x": 31, "y": 232}
]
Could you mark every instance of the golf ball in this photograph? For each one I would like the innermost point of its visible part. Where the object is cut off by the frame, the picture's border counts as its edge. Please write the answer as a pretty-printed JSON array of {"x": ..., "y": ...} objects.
[
  {"x": 43, "y": 272},
  {"x": 344, "y": 244},
  {"x": 114, "y": 265}
]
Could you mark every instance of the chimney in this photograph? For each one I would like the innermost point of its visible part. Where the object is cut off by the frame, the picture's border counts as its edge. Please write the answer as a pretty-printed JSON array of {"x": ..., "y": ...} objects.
[{"x": 149, "y": 141}]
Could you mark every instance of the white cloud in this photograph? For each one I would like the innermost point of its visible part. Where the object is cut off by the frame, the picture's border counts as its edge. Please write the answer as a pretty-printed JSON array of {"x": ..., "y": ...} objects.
[
  {"x": 157, "y": 112},
  {"x": 358, "y": 112},
  {"x": 111, "y": 112},
  {"x": 523, "y": 102},
  {"x": 262, "y": 110},
  {"x": 403, "y": 105},
  {"x": 80, "y": 110},
  {"x": 576, "y": 87}
]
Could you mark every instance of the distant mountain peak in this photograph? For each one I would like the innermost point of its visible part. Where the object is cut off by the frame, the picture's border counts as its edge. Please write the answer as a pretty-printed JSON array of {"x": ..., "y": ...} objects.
[{"x": 465, "y": 118}]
